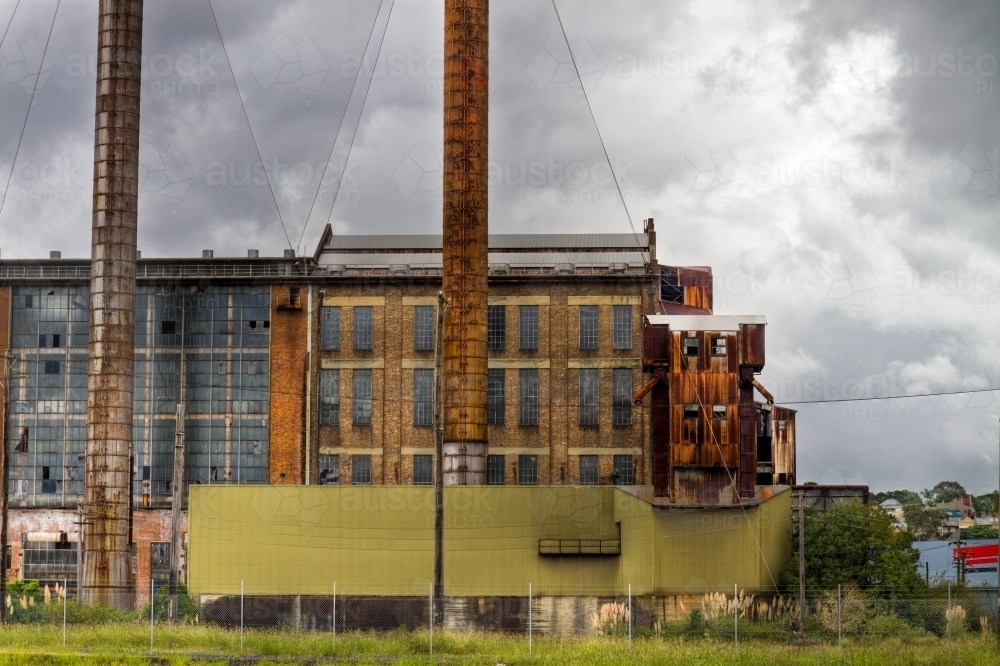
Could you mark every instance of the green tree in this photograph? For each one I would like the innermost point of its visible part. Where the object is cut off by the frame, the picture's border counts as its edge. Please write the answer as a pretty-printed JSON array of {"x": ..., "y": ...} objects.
[
  {"x": 904, "y": 497},
  {"x": 922, "y": 521},
  {"x": 985, "y": 505},
  {"x": 979, "y": 532},
  {"x": 854, "y": 544},
  {"x": 945, "y": 491}
]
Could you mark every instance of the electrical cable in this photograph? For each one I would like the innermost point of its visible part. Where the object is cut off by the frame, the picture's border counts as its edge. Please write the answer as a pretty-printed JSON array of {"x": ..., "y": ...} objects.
[
  {"x": 340, "y": 126},
  {"x": 256, "y": 146},
  {"x": 34, "y": 89},
  {"x": 597, "y": 127},
  {"x": 364, "y": 101},
  {"x": 11, "y": 22}
]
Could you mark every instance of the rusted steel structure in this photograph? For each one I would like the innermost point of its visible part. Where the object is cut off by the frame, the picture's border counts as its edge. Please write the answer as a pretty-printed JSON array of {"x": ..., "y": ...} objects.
[
  {"x": 711, "y": 442},
  {"x": 107, "y": 576},
  {"x": 466, "y": 104}
]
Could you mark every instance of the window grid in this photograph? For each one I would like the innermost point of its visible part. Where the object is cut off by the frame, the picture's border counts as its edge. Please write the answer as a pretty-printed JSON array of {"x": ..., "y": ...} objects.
[
  {"x": 362, "y": 397},
  {"x": 527, "y": 470},
  {"x": 423, "y": 470},
  {"x": 497, "y": 327},
  {"x": 624, "y": 475},
  {"x": 528, "y": 327},
  {"x": 329, "y": 469},
  {"x": 589, "y": 471},
  {"x": 423, "y": 397},
  {"x": 622, "y": 315},
  {"x": 329, "y": 400},
  {"x": 423, "y": 328},
  {"x": 361, "y": 470},
  {"x": 330, "y": 327},
  {"x": 363, "y": 328},
  {"x": 589, "y": 400},
  {"x": 527, "y": 400},
  {"x": 496, "y": 470},
  {"x": 589, "y": 329},
  {"x": 496, "y": 397},
  {"x": 622, "y": 379}
]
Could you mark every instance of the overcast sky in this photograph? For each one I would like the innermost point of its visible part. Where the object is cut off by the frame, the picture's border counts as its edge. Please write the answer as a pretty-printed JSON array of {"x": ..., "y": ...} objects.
[{"x": 835, "y": 163}]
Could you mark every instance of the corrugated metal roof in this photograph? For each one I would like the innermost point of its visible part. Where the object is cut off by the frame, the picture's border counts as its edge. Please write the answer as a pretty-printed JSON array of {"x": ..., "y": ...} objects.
[
  {"x": 515, "y": 242},
  {"x": 417, "y": 259},
  {"x": 705, "y": 322}
]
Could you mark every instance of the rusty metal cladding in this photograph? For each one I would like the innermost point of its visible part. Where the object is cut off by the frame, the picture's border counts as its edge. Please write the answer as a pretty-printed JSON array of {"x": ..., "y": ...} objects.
[
  {"x": 107, "y": 578},
  {"x": 466, "y": 80}
]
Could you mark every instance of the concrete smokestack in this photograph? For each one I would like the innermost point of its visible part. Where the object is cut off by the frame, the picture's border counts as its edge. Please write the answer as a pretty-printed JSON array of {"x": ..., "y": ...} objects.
[
  {"x": 107, "y": 575},
  {"x": 466, "y": 261}
]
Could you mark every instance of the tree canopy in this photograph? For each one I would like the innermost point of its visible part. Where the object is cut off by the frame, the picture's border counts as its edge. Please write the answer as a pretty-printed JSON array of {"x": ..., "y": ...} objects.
[
  {"x": 854, "y": 544},
  {"x": 903, "y": 496},
  {"x": 945, "y": 491}
]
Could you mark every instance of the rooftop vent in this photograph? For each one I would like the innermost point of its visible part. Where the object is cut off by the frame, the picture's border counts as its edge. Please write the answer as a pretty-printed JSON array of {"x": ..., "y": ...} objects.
[
  {"x": 289, "y": 253},
  {"x": 399, "y": 269},
  {"x": 565, "y": 269},
  {"x": 253, "y": 254},
  {"x": 138, "y": 254},
  {"x": 500, "y": 269},
  {"x": 207, "y": 254},
  {"x": 55, "y": 254},
  {"x": 618, "y": 268}
]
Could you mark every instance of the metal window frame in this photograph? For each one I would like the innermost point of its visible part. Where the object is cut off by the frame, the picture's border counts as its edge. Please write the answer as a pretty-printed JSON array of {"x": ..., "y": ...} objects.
[
  {"x": 496, "y": 470},
  {"x": 496, "y": 321},
  {"x": 593, "y": 465},
  {"x": 330, "y": 323},
  {"x": 622, "y": 396},
  {"x": 423, "y": 397},
  {"x": 332, "y": 461},
  {"x": 329, "y": 392},
  {"x": 496, "y": 397},
  {"x": 590, "y": 326},
  {"x": 590, "y": 400},
  {"x": 361, "y": 469},
  {"x": 623, "y": 479},
  {"x": 687, "y": 344},
  {"x": 622, "y": 318},
  {"x": 719, "y": 346},
  {"x": 527, "y": 324},
  {"x": 364, "y": 328},
  {"x": 527, "y": 475},
  {"x": 527, "y": 397},
  {"x": 423, "y": 328},
  {"x": 361, "y": 396},
  {"x": 423, "y": 473}
]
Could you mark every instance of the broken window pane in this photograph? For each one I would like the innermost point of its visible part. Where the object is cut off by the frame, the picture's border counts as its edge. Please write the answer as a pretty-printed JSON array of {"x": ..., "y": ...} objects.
[
  {"x": 718, "y": 346},
  {"x": 689, "y": 346}
]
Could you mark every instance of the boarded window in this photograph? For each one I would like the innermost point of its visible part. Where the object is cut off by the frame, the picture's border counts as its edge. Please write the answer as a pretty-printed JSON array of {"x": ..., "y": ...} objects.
[
  {"x": 496, "y": 397},
  {"x": 589, "y": 471},
  {"x": 168, "y": 328},
  {"x": 329, "y": 397},
  {"x": 622, "y": 378},
  {"x": 589, "y": 330},
  {"x": 330, "y": 328},
  {"x": 689, "y": 346},
  {"x": 624, "y": 475},
  {"x": 423, "y": 470},
  {"x": 497, "y": 320},
  {"x": 623, "y": 327},
  {"x": 362, "y": 389},
  {"x": 589, "y": 402},
  {"x": 363, "y": 328},
  {"x": 329, "y": 470},
  {"x": 527, "y": 470},
  {"x": 496, "y": 471},
  {"x": 528, "y": 326},
  {"x": 259, "y": 327},
  {"x": 423, "y": 328},
  {"x": 718, "y": 346},
  {"x": 361, "y": 470},
  {"x": 718, "y": 412},
  {"x": 423, "y": 397},
  {"x": 691, "y": 411},
  {"x": 527, "y": 400}
]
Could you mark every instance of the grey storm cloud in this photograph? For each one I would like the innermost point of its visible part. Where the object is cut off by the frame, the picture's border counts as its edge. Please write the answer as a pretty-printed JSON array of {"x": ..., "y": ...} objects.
[{"x": 836, "y": 164}]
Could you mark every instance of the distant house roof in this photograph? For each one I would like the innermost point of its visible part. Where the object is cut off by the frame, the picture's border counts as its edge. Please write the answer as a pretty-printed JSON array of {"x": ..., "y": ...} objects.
[{"x": 891, "y": 504}]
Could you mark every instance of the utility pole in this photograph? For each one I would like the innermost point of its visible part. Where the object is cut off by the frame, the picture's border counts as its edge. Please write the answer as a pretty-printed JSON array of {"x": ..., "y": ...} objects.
[
  {"x": 4, "y": 485},
  {"x": 438, "y": 456},
  {"x": 802, "y": 563},
  {"x": 177, "y": 497},
  {"x": 996, "y": 507}
]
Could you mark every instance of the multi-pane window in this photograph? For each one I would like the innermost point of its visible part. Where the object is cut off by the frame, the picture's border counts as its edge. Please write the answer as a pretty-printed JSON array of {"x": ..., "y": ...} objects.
[
  {"x": 588, "y": 327},
  {"x": 423, "y": 328},
  {"x": 528, "y": 326},
  {"x": 361, "y": 470},
  {"x": 622, "y": 379},
  {"x": 329, "y": 470},
  {"x": 719, "y": 412},
  {"x": 689, "y": 346},
  {"x": 623, "y": 471},
  {"x": 423, "y": 397},
  {"x": 496, "y": 397},
  {"x": 363, "y": 327},
  {"x": 496, "y": 474},
  {"x": 527, "y": 470},
  {"x": 691, "y": 411},
  {"x": 589, "y": 471},
  {"x": 718, "y": 346},
  {"x": 589, "y": 415},
  {"x": 622, "y": 315},
  {"x": 527, "y": 399},
  {"x": 362, "y": 387},
  {"x": 423, "y": 470},
  {"x": 330, "y": 327},
  {"x": 329, "y": 397},
  {"x": 497, "y": 327}
]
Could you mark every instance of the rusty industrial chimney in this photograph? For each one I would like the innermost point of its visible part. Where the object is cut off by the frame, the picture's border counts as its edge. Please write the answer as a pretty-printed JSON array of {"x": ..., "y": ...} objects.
[
  {"x": 466, "y": 262},
  {"x": 107, "y": 574}
]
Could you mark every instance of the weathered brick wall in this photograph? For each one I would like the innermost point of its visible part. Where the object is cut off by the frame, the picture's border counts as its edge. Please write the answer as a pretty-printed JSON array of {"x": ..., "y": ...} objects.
[
  {"x": 287, "y": 408},
  {"x": 5, "y": 316}
]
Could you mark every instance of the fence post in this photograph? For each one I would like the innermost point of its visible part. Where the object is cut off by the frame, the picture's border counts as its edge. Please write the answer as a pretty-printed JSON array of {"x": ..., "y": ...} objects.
[
  {"x": 529, "y": 620},
  {"x": 840, "y": 625},
  {"x": 630, "y": 614},
  {"x": 736, "y": 614},
  {"x": 152, "y": 608},
  {"x": 948, "y": 615},
  {"x": 333, "y": 617},
  {"x": 241, "y": 616},
  {"x": 430, "y": 615},
  {"x": 65, "y": 602}
]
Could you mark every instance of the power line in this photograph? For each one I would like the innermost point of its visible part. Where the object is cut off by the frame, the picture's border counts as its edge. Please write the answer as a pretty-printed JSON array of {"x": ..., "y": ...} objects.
[
  {"x": 336, "y": 136},
  {"x": 12, "y": 15},
  {"x": 250, "y": 126},
  {"x": 597, "y": 127},
  {"x": 34, "y": 89},
  {"x": 888, "y": 397}
]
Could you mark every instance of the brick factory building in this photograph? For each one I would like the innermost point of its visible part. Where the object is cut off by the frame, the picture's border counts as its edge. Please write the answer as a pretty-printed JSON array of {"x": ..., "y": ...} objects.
[{"x": 319, "y": 370}]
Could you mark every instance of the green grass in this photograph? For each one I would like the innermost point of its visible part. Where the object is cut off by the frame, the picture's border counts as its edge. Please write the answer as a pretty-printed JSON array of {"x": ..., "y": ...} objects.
[{"x": 128, "y": 644}]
